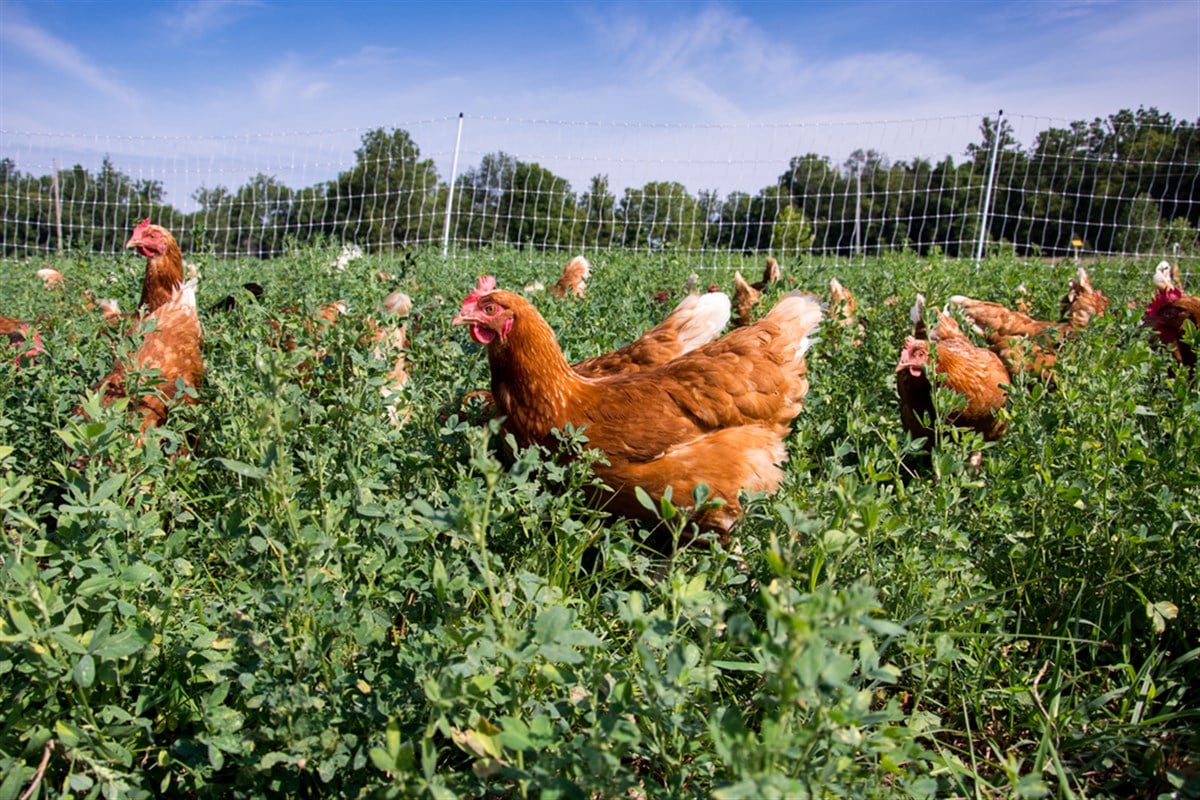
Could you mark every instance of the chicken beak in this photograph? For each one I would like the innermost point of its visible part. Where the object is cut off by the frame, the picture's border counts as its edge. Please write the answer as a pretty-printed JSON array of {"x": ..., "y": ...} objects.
[
  {"x": 460, "y": 319},
  {"x": 134, "y": 241}
]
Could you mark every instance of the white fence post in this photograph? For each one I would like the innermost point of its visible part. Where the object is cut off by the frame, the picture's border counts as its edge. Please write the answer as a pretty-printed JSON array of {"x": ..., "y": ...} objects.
[
  {"x": 57, "y": 202},
  {"x": 450, "y": 195},
  {"x": 987, "y": 192}
]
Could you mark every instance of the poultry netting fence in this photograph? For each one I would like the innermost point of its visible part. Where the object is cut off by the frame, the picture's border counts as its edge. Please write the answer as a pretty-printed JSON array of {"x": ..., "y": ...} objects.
[{"x": 1125, "y": 186}]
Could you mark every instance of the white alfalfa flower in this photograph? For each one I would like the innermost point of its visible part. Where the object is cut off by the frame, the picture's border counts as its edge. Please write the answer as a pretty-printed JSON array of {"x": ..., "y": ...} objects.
[{"x": 350, "y": 252}]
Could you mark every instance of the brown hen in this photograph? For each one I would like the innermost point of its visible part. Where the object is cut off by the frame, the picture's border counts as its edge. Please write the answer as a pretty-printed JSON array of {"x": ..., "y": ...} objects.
[
  {"x": 574, "y": 278},
  {"x": 1026, "y": 344},
  {"x": 844, "y": 306},
  {"x": 974, "y": 372},
  {"x": 716, "y": 415},
  {"x": 23, "y": 337},
  {"x": 171, "y": 346}
]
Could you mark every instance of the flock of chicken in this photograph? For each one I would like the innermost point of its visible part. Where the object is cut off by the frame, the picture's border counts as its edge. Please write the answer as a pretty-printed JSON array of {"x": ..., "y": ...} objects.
[
  {"x": 1018, "y": 344},
  {"x": 166, "y": 318},
  {"x": 684, "y": 405},
  {"x": 169, "y": 355}
]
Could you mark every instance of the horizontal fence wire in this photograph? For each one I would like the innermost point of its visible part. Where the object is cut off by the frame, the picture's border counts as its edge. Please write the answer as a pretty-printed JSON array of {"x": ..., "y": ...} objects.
[{"x": 1126, "y": 186}]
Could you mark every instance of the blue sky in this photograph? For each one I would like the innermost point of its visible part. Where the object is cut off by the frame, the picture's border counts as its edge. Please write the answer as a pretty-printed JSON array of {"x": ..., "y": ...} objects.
[{"x": 236, "y": 67}]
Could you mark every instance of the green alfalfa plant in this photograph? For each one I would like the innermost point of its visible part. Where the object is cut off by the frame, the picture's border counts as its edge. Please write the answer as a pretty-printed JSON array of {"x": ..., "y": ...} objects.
[
  {"x": 465, "y": 697},
  {"x": 400, "y": 595},
  {"x": 88, "y": 603},
  {"x": 821, "y": 715},
  {"x": 1070, "y": 527}
]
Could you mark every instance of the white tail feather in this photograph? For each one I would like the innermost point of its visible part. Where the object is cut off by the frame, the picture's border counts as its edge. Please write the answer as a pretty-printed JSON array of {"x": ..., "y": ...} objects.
[
  {"x": 800, "y": 314},
  {"x": 706, "y": 316},
  {"x": 1162, "y": 276},
  {"x": 187, "y": 293},
  {"x": 918, "y": 310}
]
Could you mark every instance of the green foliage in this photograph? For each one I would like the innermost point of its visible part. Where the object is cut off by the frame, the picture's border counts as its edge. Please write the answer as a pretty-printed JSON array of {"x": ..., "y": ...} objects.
[
  {"x": 661, "y": 215},
  {"x": 285, "y": 594},
  {"x": 792, "y": 234}
]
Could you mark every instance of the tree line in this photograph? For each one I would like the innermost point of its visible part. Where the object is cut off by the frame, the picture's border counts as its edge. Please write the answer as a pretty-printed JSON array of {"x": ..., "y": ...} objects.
[{"x": 1127, "y": 183}]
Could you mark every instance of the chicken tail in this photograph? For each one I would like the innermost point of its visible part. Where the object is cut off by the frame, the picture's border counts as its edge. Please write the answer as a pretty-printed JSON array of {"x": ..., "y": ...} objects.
[
  {"x": 799, "y": 314},
  {"x": 1165, "y": 276},
  {"x": 1082, "y": 282},
  {"x": 109, "y": 310},
  {"x": 771, "y": 273},
  {"x": 745, "y": 297},
  {"x": 839, "y": 293},
  {"x": 1082, "y": 301},
  {"x": 187, "y": 294},
  {"x": 179, "y": 310},
  {"x": 700, "y": 318},
  {"x": 398, "y": 303},
  {"x": 917, "y": 316},
  {"x": 947, "y": 327}
]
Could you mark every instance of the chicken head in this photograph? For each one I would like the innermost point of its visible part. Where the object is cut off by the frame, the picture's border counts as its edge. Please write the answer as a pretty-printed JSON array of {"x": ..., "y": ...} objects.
[
  {"x": 149, "y": 240},
  {"x": 914, "y": 357},
  {"x": 488, "y": 320}
]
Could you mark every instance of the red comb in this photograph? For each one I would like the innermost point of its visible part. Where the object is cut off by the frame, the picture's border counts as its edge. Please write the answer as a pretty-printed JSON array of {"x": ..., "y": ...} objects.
[{"x": 484, "y": 285}]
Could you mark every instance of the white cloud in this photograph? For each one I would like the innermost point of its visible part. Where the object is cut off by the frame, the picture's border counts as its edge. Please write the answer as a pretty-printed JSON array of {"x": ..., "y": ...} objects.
[
  {"x": 48, "y": 49},
  {"x": 883, "y": 82},
  {"x": 708, "y": 61},
  {"x": 749, "y": 89},
  {"x": 286, "y": 81},
  {"x": 369, "y": 56},
  {"x": 199, "y": 17},
  {"x": 701, "y": 96}
]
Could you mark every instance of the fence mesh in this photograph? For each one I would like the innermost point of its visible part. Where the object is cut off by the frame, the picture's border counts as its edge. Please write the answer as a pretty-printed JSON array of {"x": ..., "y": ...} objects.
[{"x": 1126, "y": 185}]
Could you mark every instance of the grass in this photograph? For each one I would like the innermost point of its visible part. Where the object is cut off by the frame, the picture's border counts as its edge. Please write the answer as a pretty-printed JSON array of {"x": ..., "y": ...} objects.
[{"x": 284, "y": 594}]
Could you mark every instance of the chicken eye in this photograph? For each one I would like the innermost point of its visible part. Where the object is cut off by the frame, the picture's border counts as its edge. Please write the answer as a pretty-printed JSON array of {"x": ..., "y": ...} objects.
[{"x": 490, "y": 308}]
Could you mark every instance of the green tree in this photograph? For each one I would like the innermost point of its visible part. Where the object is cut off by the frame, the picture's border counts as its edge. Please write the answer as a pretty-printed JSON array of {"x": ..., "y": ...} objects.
[
  {"x": 259, "y": 213},
  {"x": 662, "y": 215},
  {"x": 733, "y": 223},
  {"x": 26, "y": 212},
  {"x": 508, "y": 201},
  {"x": 748, "y": 223},
  {"x": 389, "y": 198},
  {"x": 1086, "y": 179},
  {"x": 792, "y": 233},
  {"x": 213, "y": 221},
  {"x": 979, "y": 154},
  {"x": 1145, "y": 231},
  {"x": 598, "y": 210},
  {"x": 814, "y": 186},
  {"x": 540, "y": 208},
  {"x": 481, "y": 194},
  {"x": 99, "y": 210}
]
